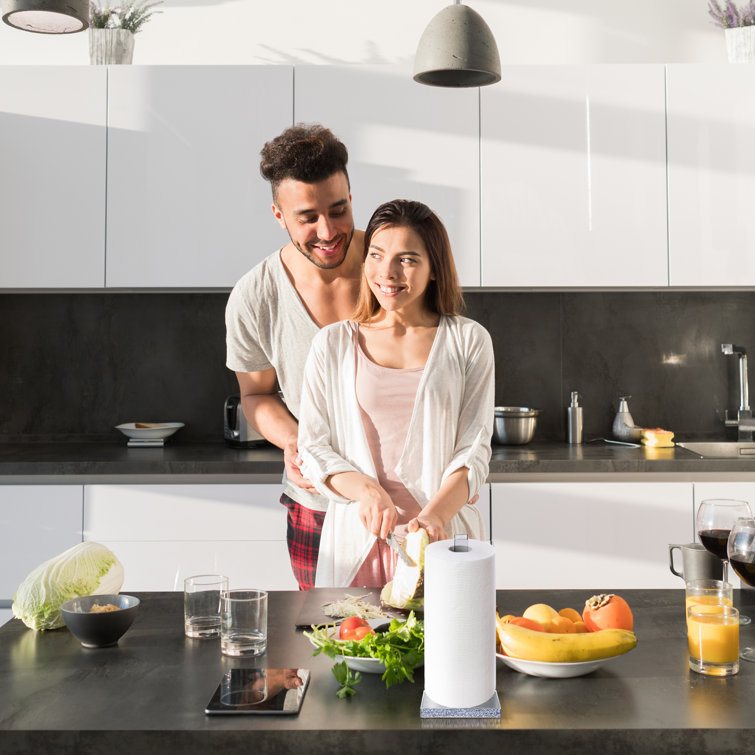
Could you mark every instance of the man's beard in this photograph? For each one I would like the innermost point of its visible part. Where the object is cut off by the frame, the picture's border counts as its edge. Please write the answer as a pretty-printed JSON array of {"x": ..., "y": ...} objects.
[{"x": 318, "y": 262}]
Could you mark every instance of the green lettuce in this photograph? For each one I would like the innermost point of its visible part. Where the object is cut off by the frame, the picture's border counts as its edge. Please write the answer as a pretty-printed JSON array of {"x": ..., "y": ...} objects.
[{"x": 86, "y": 569}]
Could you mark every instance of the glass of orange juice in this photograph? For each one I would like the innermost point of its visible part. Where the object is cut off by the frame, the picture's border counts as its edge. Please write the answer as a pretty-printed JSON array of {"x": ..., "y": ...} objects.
[
  {"x": 708, "y": 592},
  {"x": 713, "y": 638}
]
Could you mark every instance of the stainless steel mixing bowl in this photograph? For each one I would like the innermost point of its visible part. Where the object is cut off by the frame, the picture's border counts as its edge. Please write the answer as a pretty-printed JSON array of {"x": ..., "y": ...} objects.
[{"x": 514, "y": 425}]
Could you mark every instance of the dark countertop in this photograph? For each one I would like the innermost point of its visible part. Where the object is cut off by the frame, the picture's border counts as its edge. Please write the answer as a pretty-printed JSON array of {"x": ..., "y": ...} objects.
[
  {"x": 148, "y": 694},
  {"x": 87, "y": 462}
]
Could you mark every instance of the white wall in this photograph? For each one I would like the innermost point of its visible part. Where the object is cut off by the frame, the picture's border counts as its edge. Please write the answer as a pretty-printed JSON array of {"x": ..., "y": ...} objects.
[{"x": 387, "y": 31}]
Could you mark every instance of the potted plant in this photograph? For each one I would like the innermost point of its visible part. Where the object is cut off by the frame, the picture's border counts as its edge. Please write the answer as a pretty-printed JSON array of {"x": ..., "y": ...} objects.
[
  {"x": 738, "y": 24},
  {"x": 111, "y": 30}
]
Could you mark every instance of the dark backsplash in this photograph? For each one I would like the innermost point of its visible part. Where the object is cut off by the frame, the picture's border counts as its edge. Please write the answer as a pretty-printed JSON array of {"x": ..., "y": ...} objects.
[{"x": 76, "y": 364}]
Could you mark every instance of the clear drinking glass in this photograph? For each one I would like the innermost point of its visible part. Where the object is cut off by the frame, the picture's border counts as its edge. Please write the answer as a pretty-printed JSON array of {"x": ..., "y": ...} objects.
[
  {"x": 741, "y": 552},
  {"x": 243, "y": 625},
  {"x": 202, "y": 605},
  {"x": 713, "y": 639},
  {"x": 713, "y": 523},
  {"x": 708, "y": 592}
]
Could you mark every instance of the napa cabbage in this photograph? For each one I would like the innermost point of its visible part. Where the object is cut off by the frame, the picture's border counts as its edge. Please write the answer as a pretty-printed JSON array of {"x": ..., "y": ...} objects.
[{"x": 88, "y": 568}]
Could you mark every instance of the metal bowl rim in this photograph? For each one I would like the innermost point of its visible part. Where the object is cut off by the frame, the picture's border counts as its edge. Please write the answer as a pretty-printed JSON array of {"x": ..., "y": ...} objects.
[{"x": 516, "y": 411}]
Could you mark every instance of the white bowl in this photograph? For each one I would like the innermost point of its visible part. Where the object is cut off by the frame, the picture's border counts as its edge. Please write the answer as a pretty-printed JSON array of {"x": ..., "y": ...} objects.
[
  {"x": 158, "y": 431},
  {"x": 357, "y": 663},
  {"x": 553, "y": 670}
]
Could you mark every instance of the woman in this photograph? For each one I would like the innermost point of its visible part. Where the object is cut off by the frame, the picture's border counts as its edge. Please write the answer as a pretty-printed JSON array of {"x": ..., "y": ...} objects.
[{"x": 397, "y": 404}]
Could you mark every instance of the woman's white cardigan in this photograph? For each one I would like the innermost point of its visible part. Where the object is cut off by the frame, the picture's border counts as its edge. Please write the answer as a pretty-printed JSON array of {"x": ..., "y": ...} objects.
[{"x": 450, "y": 427}]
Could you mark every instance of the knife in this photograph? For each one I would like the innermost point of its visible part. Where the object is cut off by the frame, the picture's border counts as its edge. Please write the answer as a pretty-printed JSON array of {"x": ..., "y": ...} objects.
[{"x": 399, "y": 548}]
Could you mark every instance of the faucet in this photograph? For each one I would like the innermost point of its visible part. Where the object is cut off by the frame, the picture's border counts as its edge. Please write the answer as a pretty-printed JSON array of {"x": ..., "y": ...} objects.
[{"x": 743, "y": 422}]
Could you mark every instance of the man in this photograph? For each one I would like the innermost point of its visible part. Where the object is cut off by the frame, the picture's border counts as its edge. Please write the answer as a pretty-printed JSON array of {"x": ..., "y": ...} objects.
[{"x": 275, "y": 310}]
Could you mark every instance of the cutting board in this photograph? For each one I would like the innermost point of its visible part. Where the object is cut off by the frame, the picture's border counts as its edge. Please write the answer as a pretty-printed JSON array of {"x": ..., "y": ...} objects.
[{"x": 311, "y": 611}]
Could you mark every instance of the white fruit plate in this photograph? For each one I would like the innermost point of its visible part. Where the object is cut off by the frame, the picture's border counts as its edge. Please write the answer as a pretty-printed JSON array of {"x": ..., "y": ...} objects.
[
  {"x": 155, "y": 431},
  {"x": 553, "y": 670}
]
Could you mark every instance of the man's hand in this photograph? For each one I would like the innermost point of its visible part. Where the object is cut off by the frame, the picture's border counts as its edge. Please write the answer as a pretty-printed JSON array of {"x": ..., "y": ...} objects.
[{"x": 293, "y": 472}]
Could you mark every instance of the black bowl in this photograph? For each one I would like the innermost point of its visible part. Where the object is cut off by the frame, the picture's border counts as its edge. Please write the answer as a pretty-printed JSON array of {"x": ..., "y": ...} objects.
[{"x": 99, "y": 630}]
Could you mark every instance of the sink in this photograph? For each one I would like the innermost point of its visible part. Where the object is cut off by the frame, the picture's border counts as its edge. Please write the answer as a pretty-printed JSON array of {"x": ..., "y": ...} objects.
[{"x": 720, "y": 449}]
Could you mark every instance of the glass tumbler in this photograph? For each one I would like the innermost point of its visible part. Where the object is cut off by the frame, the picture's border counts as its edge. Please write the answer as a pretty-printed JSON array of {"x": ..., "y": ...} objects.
[
  {"x": 202, "y": 605},
  {"x": 243, "y": 626}
]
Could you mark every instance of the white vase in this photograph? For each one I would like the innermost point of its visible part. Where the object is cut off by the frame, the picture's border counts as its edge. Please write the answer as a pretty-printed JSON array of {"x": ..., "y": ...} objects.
[
  {"x": 110, "y": 46},
  {"x": 740, "y": 44}
]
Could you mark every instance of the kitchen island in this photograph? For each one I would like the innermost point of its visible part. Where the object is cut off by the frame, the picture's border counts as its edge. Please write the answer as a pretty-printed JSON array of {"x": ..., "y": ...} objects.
[{"x": 148, "y": 694}]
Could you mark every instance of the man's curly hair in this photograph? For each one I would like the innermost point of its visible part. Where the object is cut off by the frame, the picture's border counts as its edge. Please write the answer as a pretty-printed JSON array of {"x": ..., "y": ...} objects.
[{"x": 305, "y": 152}]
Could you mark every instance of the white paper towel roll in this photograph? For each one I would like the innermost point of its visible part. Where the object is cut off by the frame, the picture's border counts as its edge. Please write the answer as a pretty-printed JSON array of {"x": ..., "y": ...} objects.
[{"x": 460, "y": 623}]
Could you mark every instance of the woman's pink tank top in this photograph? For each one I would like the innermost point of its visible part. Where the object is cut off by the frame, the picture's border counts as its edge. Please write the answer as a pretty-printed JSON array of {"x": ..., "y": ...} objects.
[{"x": 386, "y": 399}]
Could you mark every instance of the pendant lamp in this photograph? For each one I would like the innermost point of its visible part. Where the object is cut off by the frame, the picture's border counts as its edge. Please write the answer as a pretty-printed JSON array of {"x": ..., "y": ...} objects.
[
  {"x": 457, "y": 49},
  {"x": 47, "y": 16}
]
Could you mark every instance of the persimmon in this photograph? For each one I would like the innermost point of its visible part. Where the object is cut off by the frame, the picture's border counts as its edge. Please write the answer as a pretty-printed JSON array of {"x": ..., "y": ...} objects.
[{"x": 607, "y": 611}]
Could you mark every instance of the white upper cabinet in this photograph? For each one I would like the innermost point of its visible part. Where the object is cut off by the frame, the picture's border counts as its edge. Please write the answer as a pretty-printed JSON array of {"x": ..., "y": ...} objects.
[
  {"x": 405, "y": 141},
  {"x": 186, "y": 205},
  {"x": 52, "y": 177},
  {"x": 573, "y": 177},
  {"x": 711, "y": 133}
]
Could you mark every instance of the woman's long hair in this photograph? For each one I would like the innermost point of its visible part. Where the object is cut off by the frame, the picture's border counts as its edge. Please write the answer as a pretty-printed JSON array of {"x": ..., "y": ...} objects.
[{"x": 443, "y": 294}]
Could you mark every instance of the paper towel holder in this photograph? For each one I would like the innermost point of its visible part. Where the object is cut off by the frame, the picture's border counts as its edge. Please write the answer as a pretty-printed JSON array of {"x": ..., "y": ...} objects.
[
  {"x": 429, "y": 708},
  {"x": 461, "y": 543}
]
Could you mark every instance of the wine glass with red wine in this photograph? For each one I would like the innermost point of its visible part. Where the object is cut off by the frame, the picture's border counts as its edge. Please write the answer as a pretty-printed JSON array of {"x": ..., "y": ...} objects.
[
  {"x": 715, "y": 518},
  {"x": 741, "y": 552}
]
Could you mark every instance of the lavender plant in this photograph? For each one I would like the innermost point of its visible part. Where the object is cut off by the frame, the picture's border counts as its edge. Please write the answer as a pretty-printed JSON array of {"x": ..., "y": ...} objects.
[
  {"x": 130, "y": 16},
  {"x": 728, "y": 14}
]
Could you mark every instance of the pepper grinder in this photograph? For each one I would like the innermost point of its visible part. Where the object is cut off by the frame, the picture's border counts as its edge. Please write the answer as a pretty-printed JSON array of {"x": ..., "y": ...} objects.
[{"x": 574, "y": 420}]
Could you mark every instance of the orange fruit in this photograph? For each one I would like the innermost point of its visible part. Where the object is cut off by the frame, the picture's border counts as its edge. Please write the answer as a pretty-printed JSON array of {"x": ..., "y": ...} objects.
[
  {"x": 541, "y": 613},
  {"x": 507, "y": 618},
  {"x": 579, "y": 627},
  {"x": 520, "y": 621},
  {"x": 570, "y": 613},
  {"x": 562, "y": 625}
]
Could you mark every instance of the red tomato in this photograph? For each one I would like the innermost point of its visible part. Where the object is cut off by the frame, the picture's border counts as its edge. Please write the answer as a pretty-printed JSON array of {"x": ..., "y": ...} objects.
[
  {"x": 349, "y": 626},
  {"x": 361, "y": 632}
]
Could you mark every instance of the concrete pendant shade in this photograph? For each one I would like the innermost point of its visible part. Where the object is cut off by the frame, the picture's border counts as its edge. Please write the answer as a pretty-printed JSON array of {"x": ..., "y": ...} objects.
[
  {"x": 457, "y": 49},
  {"x": 47, "y": 16}
]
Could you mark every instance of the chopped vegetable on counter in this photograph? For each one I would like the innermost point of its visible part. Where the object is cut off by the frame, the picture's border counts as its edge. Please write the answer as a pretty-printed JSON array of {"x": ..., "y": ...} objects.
[{"x": 353, "y": 605}]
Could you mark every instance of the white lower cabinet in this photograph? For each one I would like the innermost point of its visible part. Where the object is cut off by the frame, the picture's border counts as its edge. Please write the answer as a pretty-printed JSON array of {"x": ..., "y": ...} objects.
[
  {"x": 165, "y": 533},
  {"x": 592, "y": 535},
  {"x": 37, "y": 523}
]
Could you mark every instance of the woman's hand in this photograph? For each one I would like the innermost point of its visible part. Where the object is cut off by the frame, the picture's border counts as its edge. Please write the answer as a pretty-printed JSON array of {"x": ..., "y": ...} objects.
[
  {"x": 432, "y": 524},
  {"x": 377, "y": 512}
]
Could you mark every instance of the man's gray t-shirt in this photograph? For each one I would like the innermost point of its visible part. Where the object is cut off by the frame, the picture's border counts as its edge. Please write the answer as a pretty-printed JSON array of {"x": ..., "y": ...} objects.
[{"x": 268, "y": 326}]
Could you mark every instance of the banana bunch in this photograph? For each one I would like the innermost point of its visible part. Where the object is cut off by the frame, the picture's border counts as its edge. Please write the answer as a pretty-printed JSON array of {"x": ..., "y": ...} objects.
[{"x": 529, "y": 645}]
